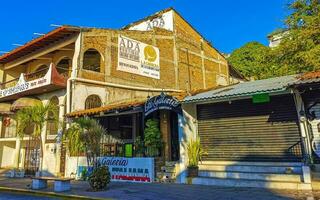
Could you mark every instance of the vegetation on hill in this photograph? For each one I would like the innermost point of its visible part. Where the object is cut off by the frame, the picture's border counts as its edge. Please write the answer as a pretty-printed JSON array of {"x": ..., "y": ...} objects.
[{"x": 298, "y": 51}]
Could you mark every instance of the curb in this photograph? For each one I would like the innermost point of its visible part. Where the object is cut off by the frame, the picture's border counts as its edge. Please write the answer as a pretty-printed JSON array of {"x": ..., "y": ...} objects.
[{"x": 51, "y": 194}]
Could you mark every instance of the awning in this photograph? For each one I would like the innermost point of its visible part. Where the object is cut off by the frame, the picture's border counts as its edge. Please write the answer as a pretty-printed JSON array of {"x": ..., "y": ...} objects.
[
  {"x": 5, "y": 108},
  {"x": 25, "y": 102},
  {"x": 108, "y": 108}
]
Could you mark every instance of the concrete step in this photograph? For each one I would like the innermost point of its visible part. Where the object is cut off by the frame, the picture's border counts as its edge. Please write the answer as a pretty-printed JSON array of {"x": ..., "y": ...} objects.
[
  {"x": 252, "y": 168},
  {"x": 167, "y": 175},
  {"x": 171, "y": 163},
  {"x": 250, "y": 183},
  {"x": 251, "y": 176},
  {"x": 168, "y": 169}
]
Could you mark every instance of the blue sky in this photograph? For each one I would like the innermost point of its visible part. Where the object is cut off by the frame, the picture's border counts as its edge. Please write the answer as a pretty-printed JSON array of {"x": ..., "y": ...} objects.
[{"x": 228, "y": 24}]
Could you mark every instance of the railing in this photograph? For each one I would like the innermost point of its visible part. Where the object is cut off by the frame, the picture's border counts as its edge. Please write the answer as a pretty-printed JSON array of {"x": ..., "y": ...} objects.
[
  {"x": 32, "y": 76},
  {"x": 295, "y": 150},
  {"x": 114, "y": 150},
  {"x": 9, "y": 84},
  {"x": 10, "y": 133},
  {"x": 36, "y": 75}
]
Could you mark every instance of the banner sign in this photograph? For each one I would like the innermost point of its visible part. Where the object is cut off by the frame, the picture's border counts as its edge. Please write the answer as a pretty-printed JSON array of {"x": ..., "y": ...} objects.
[
  {"x": 164, "y": 21},
  {"x": 261, "y": 98},
  {"x": 162, "y": 102},
  {"x": 138, "y": 58},
  {"x": 23, "y": 85},
  {"x": 126, "y": 169}
]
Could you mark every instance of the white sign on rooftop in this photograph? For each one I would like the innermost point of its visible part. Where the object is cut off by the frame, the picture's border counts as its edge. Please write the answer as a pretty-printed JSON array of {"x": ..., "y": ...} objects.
[{"x": 164, "y": 21}]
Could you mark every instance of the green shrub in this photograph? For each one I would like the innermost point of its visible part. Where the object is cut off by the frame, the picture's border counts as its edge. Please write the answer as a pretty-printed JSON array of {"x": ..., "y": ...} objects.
[
  {"x": 195, "y": 152},
  {"x": 152, "y": 138},
  {"x": 99, "y": 178},
  {"x": 84, "y": 174}
]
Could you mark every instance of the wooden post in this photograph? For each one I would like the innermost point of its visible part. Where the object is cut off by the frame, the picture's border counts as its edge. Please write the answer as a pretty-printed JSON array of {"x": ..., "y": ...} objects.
[{"x": 165, "y": 132}]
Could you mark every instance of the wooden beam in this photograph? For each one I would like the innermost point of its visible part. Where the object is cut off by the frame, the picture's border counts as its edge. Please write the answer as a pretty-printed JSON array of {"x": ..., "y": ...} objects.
[
  {"x": 43, "y": 58},
  {"x": 40, "y": 52}
]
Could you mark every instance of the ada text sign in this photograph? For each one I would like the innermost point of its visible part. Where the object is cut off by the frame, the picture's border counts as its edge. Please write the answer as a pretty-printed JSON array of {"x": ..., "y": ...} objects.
[{"x": 138, "y": 58}]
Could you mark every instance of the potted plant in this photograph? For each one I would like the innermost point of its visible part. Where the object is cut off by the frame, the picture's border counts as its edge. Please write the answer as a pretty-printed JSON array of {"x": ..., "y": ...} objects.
[
  {"x": 195, "y": 152},
  {"x": 84, "y": 135},
  {"x": 152, "y": 138}
]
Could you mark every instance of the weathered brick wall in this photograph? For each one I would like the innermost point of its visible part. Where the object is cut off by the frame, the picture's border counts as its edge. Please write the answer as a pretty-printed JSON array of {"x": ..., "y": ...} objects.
[
  {"x": 183, "y": 52},
  {"x": 204, "y": 61}
]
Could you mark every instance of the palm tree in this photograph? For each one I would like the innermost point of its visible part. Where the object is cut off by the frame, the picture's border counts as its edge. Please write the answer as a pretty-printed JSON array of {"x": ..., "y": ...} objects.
[
  {"x": 84, "y": 136},
  {"x": 36, "y": 116}
]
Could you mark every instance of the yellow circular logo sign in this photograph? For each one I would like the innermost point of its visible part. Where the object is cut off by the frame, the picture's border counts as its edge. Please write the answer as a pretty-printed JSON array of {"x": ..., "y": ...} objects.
[{"x": 150, "y": 53}]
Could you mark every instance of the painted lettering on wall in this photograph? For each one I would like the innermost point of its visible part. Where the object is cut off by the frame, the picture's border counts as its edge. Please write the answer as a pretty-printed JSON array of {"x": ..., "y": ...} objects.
[
  {"x": 126, "y": 169},
  {"x": 23, "y": 85},
  {"x": 161, "y": 102},
  {"x": 164, "y": 21}
]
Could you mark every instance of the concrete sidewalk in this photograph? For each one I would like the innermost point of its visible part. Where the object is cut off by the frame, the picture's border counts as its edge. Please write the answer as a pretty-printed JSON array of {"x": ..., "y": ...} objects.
[{"x": 155, "y": 191}]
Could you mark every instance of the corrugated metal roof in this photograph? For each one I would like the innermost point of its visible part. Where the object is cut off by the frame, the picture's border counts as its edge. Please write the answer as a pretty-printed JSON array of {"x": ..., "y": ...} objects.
[{"x": 271, "y": 85}]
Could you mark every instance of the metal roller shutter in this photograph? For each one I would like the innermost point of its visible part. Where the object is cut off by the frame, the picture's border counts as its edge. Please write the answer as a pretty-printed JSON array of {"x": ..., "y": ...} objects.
[{"x": 243, "y": 131}]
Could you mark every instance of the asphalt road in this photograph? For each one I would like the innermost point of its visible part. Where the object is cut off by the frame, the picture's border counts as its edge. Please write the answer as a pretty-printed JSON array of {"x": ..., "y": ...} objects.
[{"x": 21, "y": 196}]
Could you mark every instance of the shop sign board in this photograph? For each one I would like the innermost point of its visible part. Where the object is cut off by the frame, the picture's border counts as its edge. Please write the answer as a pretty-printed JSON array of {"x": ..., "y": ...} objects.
[
  {"x": 22, "y": 85},
  {"x": 126, "y": 169},
  {"x": 164, "y": 21},
  {"x": 261, "y": 98},
  {"x": 162, "y": 102},
  {"x": 138, "y": 58}
]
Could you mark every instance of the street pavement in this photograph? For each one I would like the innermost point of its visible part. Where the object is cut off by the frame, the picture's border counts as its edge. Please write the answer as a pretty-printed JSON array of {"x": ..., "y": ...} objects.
[
  {"x": 157, "y": 191},
  {"x": 19, "y": 196}
]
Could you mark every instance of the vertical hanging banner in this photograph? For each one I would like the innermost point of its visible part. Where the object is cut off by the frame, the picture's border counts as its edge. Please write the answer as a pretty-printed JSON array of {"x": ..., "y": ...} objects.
[{"x": 138, "y": 58}]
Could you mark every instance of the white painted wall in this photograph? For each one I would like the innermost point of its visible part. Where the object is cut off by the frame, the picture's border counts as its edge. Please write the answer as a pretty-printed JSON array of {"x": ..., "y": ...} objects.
[
  {"x": 81, "y": 92},
  {"x": 7, "y": 151},
  {"x": 187, "y": 131}
]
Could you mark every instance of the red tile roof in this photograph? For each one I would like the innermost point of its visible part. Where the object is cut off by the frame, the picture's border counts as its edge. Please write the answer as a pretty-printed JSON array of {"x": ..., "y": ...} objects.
[
  {"x": 110, "y": 107},
  {"x": 309, "y": 75},
  {"x": 40, "y": 42}
]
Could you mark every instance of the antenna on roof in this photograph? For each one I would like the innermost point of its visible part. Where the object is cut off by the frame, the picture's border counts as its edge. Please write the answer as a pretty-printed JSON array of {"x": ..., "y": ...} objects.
[
  {"x": 55, "y": 25},
  {"x": 19, "y": 45},
  {"x": 41, "y": 34},
  {"x": 3, "y": 52}
]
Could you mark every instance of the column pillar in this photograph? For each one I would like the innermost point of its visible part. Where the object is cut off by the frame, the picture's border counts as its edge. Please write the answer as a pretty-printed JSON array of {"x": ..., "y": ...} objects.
[
  {"x": 305, "y": 135},
  {"x": 17, "y": 153},
  {"x": 187, "y": 130},
  {"x": 165, "y": 133},
  {"x": 59, "y": 136}
]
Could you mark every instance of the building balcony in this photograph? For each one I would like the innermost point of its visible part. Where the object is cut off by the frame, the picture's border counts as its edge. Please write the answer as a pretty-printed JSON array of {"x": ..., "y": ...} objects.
[{"x": 41, "y": 81}]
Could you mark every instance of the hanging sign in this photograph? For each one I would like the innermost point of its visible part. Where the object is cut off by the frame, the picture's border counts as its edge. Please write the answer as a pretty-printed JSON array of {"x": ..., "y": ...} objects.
[
  {"x": 138, "y": 58},
  {"x": 164, "y": 21},
  {"x": 23, "y": 85},
  {"x": 162, "y": 102}
]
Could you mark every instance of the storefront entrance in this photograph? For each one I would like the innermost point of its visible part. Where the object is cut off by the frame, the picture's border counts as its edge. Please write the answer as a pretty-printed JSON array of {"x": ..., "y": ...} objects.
[{"x": 166, "y": 109}]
